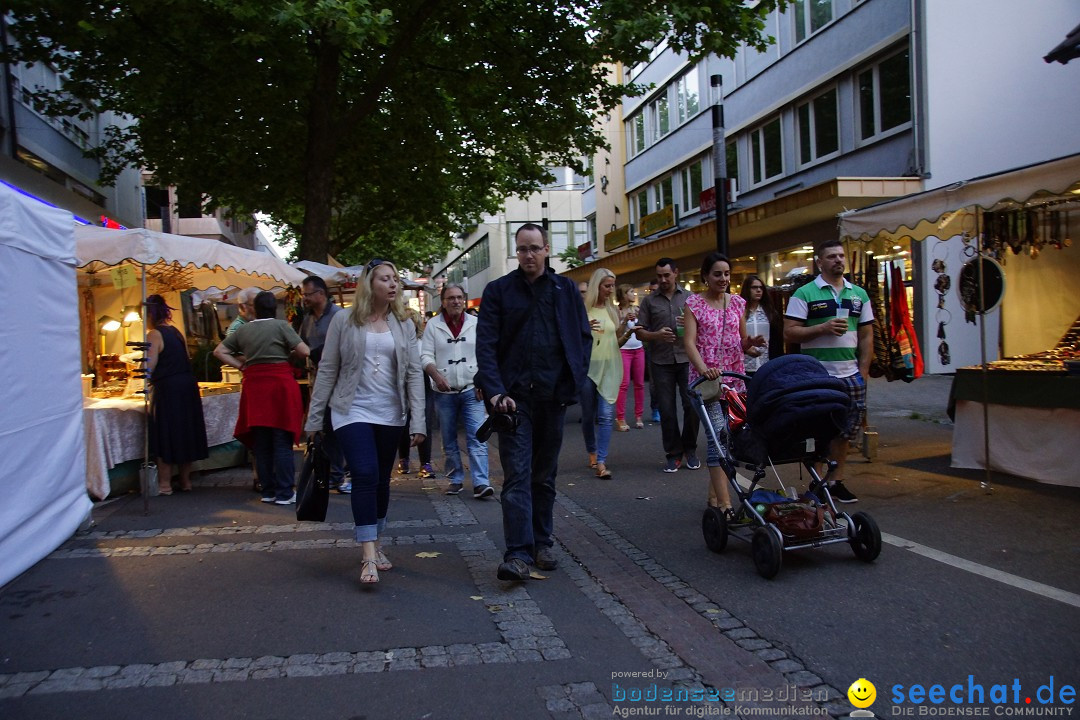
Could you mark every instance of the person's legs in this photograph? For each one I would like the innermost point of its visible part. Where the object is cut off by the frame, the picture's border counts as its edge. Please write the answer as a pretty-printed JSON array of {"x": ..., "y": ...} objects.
[
  {"x": 516, "y": 455},
  {"x": 185, "y": 476},
  {"x": 384, "y": 437},
  {"x": 719, "y": 496},
  {"x": 547, "y": 431},
  {"x": 664, "y": 387},
  {"x": 424, "y": 451},
  {"x": 358, "y": 443},
  {"x": 620, "y": 401},
  {"x": 404, "y": 445},
  {"x": 284, "y": 464},
  {"x": 264, "y": 461},
  {"x": 474, "y": 414},
  {"x": 164, "y": 477},
  {"x": 588, "y": 416},
  {"x": 838, "y": 447},
  {"x": 448, "y": 407},
  {"x": 690, "y": 418},
  {"x": 637, "y": 376},
  {"x": 604, "y": 417},
  {"x": 333, "y": 452}
]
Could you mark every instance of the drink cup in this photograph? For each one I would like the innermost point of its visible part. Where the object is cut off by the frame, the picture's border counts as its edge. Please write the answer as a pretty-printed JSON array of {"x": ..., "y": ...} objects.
[{"x": 842, "y": 313}]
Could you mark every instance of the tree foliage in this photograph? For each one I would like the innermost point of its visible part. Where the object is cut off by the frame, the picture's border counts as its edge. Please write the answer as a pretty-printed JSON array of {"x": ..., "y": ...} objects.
[{"x": 376, "y": 125}]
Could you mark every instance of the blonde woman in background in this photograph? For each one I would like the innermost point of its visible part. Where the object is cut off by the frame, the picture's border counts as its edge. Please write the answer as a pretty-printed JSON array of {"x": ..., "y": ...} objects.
[
  {"x": 370, "y": 378},
  {"x": 605, "y": 368},
  {"x": 633, "y": 357}
]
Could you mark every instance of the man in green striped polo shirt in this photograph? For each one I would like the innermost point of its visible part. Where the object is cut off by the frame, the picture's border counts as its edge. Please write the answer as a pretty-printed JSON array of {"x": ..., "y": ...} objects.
[{"x": 832, "y": 320}]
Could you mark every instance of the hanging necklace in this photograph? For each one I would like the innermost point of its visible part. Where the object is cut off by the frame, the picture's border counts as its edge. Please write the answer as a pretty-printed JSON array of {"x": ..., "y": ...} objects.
[{"x": 376, "y": 351}]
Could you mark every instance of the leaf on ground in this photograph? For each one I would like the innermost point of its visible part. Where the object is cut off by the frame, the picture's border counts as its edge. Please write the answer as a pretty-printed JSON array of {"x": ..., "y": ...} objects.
[
  {"x": 537, "y": 576},
  {"x": 712, "y": 611},
  {"x": 476, "y": 597},
  {"x": 428, "y": 554}
]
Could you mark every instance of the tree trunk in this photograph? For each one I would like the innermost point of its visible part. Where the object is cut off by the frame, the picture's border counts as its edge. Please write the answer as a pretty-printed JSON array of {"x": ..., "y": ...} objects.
[{"x": 321, "y": 151}]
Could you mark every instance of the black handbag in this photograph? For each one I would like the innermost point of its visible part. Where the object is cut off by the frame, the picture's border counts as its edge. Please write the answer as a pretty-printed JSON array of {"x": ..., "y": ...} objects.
[{"x": 313, "y": 488}]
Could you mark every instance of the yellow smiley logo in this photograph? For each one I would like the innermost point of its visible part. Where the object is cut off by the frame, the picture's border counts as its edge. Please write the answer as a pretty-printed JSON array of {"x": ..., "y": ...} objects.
[{"x": 862, "y": 693}]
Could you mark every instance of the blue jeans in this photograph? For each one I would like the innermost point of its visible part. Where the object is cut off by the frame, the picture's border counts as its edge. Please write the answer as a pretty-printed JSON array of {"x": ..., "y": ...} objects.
[
  {"x": 530, "y": 458},
  {"x": 333, "y": 451},
  {"x": 465, "y": 406},
  {"x": 370, "y": 451},
  {"x": 596, "y": 411},
  {"x": 274, "y": 462}
]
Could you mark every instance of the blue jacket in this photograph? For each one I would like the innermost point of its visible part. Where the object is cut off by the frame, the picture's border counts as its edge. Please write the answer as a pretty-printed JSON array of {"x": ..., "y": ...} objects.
[{"x": 501, "y": 357}]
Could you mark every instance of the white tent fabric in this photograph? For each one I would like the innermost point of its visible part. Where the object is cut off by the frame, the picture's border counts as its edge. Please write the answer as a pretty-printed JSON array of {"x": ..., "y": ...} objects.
[
  {"x": 941, "y": 212},
  {"x": 333, "y": 276},
  {"x": 215, "y": 266},
  {"x": 41, "y": 434}
]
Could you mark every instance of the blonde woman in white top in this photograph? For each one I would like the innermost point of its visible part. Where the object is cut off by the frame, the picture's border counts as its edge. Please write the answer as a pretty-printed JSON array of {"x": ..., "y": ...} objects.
[{"x": 369, "y": 379}]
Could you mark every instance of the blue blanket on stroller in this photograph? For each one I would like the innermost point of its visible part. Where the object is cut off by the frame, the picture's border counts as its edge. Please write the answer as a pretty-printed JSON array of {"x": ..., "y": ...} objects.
[{"x": 791, "y": 399}]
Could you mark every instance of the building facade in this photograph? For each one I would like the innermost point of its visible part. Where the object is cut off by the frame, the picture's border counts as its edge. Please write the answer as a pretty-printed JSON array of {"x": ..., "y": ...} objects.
[{"x": 857, "y": 101}]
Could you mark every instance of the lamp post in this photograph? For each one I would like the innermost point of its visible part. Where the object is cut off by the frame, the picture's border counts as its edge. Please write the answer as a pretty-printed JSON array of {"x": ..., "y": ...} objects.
[{"x": 720, "y": 179}]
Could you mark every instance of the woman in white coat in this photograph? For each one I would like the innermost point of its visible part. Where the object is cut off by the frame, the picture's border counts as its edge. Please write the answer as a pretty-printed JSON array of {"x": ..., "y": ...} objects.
[{"x": 369, "y": 379}]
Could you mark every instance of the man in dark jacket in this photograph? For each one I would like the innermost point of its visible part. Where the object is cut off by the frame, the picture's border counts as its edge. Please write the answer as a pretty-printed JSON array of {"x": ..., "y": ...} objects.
[{"x": 532, "y": 353}]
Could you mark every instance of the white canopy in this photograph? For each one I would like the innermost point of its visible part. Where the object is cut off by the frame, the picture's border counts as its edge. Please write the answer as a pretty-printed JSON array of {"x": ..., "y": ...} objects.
[
  {"x": 332, "y": 276},
  {"x": 941, "y": 212},
  {"x": 212, "y": 265}
]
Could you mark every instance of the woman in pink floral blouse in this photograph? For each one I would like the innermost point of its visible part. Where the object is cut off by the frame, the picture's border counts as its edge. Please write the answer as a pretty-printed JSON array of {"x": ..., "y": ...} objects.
[{"x": 715, "y": 340}]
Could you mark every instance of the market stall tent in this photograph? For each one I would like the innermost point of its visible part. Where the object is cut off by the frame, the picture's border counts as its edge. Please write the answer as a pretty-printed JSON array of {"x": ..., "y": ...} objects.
[{"x": 41, "y": 434}]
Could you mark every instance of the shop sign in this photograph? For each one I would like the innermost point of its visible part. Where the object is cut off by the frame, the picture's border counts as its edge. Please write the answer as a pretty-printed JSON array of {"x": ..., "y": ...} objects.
[
  {"x": 123, "y": 276},
  {"x": 584, "y": 250},
  {"x": 617, "y": 239},
  {"x": 707, "y": 197},
  {"x": 658, "y": 221}
]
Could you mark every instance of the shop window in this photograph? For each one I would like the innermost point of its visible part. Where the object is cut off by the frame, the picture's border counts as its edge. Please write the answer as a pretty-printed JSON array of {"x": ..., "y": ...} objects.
[
  {"x": 884, "y": 96},
  {"x": 819, "y": 134},
  {"x": 766, "y": 151},
  {"x": 811, "y": 16}
]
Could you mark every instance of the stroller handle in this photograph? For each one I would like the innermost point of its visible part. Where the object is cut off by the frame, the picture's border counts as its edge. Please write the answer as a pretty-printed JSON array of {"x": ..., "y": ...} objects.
[{"x": 724, "y": 374}]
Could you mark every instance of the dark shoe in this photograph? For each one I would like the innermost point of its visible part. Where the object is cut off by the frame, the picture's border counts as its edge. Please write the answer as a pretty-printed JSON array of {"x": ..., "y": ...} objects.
[
  {"x": 672, "y": 465},
  {"x": 656, "y": 416},
  {"x": 453, "y": 489},
  {"x": 545, "y": 559},
  {"x": 484, "y": 491},
  {"x": 514, "y": 570},
  {"x": 841, "y": 494},
  {"x": 692, "y": 462}
]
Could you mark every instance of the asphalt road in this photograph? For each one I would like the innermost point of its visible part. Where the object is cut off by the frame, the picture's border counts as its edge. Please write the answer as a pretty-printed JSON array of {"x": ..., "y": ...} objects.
[{"x": 216, "y": 605}]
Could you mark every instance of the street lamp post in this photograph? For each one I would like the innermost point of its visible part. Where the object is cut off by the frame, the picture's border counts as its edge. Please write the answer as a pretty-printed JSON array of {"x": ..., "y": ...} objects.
[{"x": 720, "y": 179}]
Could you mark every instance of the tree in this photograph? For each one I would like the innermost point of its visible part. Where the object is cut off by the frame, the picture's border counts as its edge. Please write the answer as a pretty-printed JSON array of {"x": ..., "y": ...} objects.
[{"x": 359, "y": 122}]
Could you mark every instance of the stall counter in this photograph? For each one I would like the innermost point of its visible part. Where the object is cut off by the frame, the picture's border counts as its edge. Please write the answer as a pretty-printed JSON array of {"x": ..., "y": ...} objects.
[
  {"x": 114, "y": 430},
  {"x": 1034, "y": 420}
]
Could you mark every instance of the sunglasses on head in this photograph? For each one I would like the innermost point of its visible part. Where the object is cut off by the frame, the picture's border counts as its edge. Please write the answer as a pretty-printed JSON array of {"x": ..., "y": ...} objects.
[{"x": 375, "y": 262}]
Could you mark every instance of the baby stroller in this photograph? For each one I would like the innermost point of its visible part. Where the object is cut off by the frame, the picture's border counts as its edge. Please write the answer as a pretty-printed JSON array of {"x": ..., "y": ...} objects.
[{"x": 793, "y": 410}]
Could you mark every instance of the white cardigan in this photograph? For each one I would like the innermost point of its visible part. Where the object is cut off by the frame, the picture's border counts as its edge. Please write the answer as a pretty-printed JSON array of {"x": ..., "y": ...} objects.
[
  {"x": 343, "y": 360},
  {"x": 455, "y": 360}
]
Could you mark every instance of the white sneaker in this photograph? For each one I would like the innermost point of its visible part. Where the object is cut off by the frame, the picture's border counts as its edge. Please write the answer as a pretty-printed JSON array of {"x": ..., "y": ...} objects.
[{"x": 290, "y": 501}]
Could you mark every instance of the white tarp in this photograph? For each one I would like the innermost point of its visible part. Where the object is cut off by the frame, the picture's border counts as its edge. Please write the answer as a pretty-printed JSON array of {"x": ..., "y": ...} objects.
[
  {"x": 41, "y": 434},
  {"x": 214, "y": 266},
  {"x": 944, "y": 212},
  {"x": 332, "y": 276}
]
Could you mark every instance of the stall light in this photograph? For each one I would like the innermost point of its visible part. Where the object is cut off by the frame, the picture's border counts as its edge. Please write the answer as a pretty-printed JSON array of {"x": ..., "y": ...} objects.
[
  {"x": 897, "y": 247},
  {"x": 869, "y": 254},
  {"x": 108, "y": 324},
  {"x": 778, "y": 265},
  {"x": 131, "y": 315}
]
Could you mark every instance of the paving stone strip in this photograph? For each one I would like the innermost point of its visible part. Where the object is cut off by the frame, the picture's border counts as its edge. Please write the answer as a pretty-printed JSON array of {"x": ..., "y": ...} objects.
[
  {"x": 792, "y": 669},
  {"x": 299, "y": 527}
]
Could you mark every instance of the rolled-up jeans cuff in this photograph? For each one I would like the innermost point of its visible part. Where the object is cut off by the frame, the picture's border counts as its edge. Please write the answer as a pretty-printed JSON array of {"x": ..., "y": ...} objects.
[
  {"x": 367, "y": 533},
  {"x": 380, "y": 526}
]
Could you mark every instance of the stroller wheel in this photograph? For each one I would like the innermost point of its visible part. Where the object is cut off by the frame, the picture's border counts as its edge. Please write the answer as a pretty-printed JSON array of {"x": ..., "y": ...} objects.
[
  {"x": 714, "y": 528},
  {"x": 865, "y": 537},
  {"x": 767, "y": 552}
]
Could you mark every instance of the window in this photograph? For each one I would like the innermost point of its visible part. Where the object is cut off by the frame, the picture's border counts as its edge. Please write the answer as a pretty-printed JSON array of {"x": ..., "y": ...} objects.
[
  {"x": 639, "y": 205},
  {"x": 636, "y": 128},
  {"x": 478, "y": 258},
  {"x": 811, "y": 16},
  {"x": 884, "y": 96},
  {"x": 819, "y": 134},
  {"x": 731, "y": 160},
  {"x": 662, "y": 194},
  {"x": 687, "y": 96},
  {"x": 691, "y": 183},
  {"x": 766, "y": 151},
  {"x": 660, "y": 117}
]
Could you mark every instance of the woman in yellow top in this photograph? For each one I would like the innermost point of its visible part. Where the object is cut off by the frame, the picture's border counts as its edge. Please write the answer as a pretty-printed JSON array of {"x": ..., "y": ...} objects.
[{"x": 605, "y": 369}]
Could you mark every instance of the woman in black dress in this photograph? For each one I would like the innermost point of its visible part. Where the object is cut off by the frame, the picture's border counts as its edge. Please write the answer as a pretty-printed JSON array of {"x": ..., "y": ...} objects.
[{"x": 177, "y": 428}]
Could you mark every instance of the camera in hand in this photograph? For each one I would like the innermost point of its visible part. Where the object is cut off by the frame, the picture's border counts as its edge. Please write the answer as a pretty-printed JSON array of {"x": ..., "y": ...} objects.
[{"x": 498, "y": 422}]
